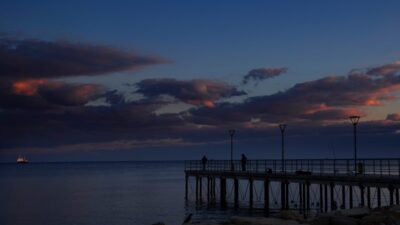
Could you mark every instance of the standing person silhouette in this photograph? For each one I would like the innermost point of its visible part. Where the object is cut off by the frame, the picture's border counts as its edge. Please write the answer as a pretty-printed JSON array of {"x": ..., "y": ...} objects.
[
  {"x": 244, "y": 161},
  {"x": 204, "y": 162}
]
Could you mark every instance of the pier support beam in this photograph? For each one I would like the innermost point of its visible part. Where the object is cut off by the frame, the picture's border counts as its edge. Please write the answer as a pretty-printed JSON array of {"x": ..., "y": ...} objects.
[
  {"x": 286, "y": 194},
  {"x": 307, "y": 185},
  {"x": 343, "y": 206},
  {"x": 326, "y": 197},
  {"x": 321, "y": 198},
  {"x": 391, "y": 192},
  {"x": 350, "y": 196},
  {"x": 197, "y": 188},
  {"x": 208, "y": 189},
  {"x": 223, "y": 191},
  {"x": 213, "y": 189},
  {"x": 201, "y": 188},
  {"x": 236, "y": 192},
  {"x": 378, "y": 195},
  {"x": 369, "y": 197},
  {"x": 397, "y": 197},
  {"x": 362, "y": 195},
  {"x": 283, "y": 195},
  {"x": 332, "y": 192},
  {"x": 301, "y": 208},
  {"x": 266, "y": 196},
  {"x": 251, "y": 192},
  {"x": 186, "y": 186}
]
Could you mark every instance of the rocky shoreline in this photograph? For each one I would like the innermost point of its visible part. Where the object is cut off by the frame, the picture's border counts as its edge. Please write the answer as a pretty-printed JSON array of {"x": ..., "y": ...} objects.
[{"x": 355, "y": 216}]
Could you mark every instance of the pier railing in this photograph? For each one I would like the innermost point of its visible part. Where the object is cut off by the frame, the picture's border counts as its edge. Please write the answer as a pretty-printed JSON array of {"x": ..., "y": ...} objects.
[{"x": 363, "y": 167}]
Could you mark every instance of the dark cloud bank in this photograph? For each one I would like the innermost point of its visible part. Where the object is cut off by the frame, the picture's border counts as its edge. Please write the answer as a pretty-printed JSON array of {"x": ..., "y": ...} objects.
[
  {"x": 40, "y": 113},
  {"x": 261, "y": 74},
  {"x": 30, "y": 58}
]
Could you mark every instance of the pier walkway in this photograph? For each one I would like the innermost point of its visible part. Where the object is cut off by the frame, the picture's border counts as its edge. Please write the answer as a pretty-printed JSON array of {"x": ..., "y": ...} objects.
[{"x": 303, "y": 184}]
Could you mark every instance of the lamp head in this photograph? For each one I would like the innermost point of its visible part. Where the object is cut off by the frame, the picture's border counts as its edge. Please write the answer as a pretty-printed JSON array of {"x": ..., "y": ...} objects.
[
  {"x": 282, "y": 126},
  {"x": 231, "y": 132},
  {"x": 354, "y": 119}
]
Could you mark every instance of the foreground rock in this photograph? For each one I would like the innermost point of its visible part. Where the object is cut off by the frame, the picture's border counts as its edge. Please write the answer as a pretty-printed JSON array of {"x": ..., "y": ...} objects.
[
  {"x": 261, "y": 221},
  {"x": 292, "y": 215},
  {"x": 335, "y": 220},
  {"x": 354, "y": 212},
  {"x": 355, "y": 216}
]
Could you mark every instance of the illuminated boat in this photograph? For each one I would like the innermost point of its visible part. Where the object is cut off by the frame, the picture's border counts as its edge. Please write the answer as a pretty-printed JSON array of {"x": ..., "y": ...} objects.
[{"x": 21, "y": 159}]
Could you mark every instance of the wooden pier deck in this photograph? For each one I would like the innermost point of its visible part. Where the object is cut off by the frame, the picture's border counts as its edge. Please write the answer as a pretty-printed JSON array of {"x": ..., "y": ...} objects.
[{"x": 304, "y": 184}]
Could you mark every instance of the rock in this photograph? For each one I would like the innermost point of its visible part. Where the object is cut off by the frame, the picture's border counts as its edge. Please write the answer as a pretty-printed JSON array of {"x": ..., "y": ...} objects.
[
  {"x": 159, "y": 223},
  {"x": 261, "y": 221},
  {"x": 321, "y": 220},
  {"x": 375, "y": 218},
  {"x": 343, "y": 220},
  {"x": 292, "y": 215},
  {"x": 395, "y": 208},
  {"x": 354, "y": 212},
  {"x": 207, "y": 222},
  {"x": 335, "y": 220}
]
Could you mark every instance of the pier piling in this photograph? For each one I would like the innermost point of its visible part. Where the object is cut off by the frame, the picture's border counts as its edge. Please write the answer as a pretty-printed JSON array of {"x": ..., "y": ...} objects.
[{"x": 307, "y": 175}]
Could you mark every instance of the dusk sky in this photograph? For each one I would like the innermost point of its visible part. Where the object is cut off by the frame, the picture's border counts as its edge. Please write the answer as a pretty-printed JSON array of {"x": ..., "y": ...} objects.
[{"x": 166, "y": 80}]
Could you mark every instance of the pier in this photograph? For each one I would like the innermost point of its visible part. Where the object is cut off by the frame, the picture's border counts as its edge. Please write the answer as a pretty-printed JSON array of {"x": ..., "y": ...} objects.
[{"x": 319, "y": 185}]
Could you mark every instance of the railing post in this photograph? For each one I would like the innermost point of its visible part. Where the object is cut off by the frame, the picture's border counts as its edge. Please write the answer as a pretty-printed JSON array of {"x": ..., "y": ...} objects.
[
  {"x": 373, "y": 166},
  {"x": 257, "y": 166},
  {"x": 320, "y": 166},
  {"x": 334, "y": 167},
  {"x": 398, "y": 167}
]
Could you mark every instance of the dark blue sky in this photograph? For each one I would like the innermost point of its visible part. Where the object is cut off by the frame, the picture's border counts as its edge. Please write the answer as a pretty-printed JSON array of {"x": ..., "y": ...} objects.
[{"x": 114, "y": 58}]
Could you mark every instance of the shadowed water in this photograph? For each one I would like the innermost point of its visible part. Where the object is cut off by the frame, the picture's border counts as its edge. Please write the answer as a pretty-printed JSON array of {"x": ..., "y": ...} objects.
[
  {"x": 118, "y": 193},
  {"x": 121, "y": 193}
]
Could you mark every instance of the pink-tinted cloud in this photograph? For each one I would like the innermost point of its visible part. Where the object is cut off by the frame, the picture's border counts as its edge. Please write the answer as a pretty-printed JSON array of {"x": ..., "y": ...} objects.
[
  {"x": 47, "y": 94},
  {"x": 385, "y": 70},
  {"x": 195, "y": 92},
  {"x": 331, "y": 98},
  {"x": 393, "y": 117}
]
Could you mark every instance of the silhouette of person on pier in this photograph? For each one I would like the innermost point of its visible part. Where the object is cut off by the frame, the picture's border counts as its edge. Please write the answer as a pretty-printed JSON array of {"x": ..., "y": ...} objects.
[
  {"x": 204, "y": 162},
  {"x": 244, "y": 161}
]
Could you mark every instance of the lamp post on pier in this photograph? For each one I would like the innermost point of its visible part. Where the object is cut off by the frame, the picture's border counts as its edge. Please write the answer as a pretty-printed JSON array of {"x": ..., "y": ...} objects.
[
  {"x": 282, "y": 127},
  {"x": 354, "y": 120},
  {"x": 231, "y": 133}
]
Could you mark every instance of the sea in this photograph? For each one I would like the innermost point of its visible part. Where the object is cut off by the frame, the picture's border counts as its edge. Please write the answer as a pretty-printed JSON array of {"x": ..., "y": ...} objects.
[
  {"x": 124, "y": 193},
  {"x": 99, "y": 193}
]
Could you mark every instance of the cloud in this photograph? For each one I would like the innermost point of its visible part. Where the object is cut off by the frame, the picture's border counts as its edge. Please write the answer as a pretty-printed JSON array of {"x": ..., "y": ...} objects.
[
  {"x": 194, "y": 92},
  {"x": 263, "y": 73},
  {"x": 66, "y": 94},
  {"x": 42, "y": 94},
  {"x": 393, "y": 117},
  {"x": 331, "y": 98},
  {"x": 37, "y": 59},
  {"x": 385, "y": 70},
  {"x": 115, "y": 145},
  {"x": 305, "y": 107}
]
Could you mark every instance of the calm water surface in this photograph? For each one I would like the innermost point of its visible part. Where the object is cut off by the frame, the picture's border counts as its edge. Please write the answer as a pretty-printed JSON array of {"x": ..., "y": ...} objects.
[
  {"x": 91, "y": 193},
  {"x": 115, "y": 193}
]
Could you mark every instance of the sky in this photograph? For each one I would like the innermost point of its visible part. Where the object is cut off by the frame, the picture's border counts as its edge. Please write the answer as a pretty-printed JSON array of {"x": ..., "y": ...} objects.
[{"x": 165, "y": 80}]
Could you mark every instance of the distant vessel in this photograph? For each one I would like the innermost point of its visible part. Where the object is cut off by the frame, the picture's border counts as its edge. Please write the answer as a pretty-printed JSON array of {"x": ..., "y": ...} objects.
[{"x": 22, "y": 159}]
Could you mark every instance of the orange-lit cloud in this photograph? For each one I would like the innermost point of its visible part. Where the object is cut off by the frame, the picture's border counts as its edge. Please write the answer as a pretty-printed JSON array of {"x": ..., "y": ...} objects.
[
  {"x": 42, "y": 93},
  {"x": 195, "y": 92},
  {"x": 27, "y": 87}
]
